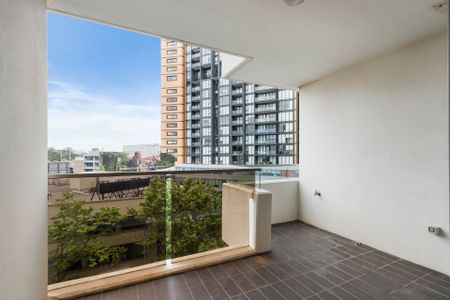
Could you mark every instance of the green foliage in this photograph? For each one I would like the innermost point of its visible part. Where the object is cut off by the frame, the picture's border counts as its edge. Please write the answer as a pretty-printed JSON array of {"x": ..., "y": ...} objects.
[
  {"x": 166, "y": 160},
  {"x": 195, "y": 215},
  {"x": 109, "y": 160},
  {"x": 196, "y": 221},
  {"x": 153, "y": 211},
  {"x": 57, "y": 155},
  {"x": 76, "y": 230}
]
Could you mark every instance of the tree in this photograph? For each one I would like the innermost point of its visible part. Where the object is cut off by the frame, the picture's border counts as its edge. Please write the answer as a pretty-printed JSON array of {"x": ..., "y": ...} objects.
[
  {"x": 109, "y": 160},
  {"x": 166, "y": 160},
  {"x": 58, "y": 155},
  {"x": 153, "y": 211},
  {"x": 195, "y": 216},
  {"x": 76, "y": 230}
]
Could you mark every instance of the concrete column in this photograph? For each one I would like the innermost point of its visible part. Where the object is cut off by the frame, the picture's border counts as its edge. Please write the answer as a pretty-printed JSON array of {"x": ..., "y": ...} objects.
[{"x": 23, "y": 150}]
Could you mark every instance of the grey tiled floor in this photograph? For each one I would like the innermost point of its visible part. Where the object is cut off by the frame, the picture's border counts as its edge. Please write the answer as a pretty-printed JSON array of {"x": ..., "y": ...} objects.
[{"x": 306, "y": 263}]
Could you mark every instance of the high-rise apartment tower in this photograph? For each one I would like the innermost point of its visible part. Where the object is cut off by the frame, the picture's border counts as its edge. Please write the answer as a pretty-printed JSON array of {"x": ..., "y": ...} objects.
[
  {"x": 173, "y": 104},
  {"x": 232, "y": 122}
]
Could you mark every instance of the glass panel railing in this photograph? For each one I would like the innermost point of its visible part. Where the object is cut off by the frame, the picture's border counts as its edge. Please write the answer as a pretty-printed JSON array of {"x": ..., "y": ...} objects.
[
  {"x": 196, "y": 209},
  {"x": 102, "y": 222},
  {"x": 279, "y": 172}
]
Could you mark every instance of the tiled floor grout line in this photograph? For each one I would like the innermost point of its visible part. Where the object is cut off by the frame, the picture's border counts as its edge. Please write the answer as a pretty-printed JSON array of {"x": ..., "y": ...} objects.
[
  {"x": 409, "y": 283},
  {"x": 436, "y": 283},
  {"x": 188, "y": 287}
]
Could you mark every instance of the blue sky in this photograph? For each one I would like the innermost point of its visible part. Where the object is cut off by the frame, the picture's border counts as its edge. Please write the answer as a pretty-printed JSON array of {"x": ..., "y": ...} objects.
[{"x": 104, "y": 85}]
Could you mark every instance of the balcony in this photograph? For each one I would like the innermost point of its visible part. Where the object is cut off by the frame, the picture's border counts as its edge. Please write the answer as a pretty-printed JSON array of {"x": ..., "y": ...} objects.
[
  {"x": 237, "y": 101},
  {"x": 265, "y": 153},
  {"x": 264, "y": 88},
  {"x": 264, "y": 141},
  {"x": 364, "y": 174},
  {"x": 237, "y": 91},
  {"x": 265, "y": 109},
  {"x": 265, "y": 120},
  {"x": 266, "y": 131}
]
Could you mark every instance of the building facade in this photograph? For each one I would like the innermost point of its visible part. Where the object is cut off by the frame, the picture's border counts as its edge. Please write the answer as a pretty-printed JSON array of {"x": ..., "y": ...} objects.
[
  {"x": 226, "y": 122},
  {"x": 173, "y": 102},
  {"x": 231, "y": 122},
  {"x": 92, "y": 161}
]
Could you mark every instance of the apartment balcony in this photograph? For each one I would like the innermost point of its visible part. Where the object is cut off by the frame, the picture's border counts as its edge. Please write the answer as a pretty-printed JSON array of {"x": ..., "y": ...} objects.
[
  {"x": 237, "y": 91},
  {"x": 265, "y": 120},
  {"x": 195, "y": 98},
  {"x": 265, "y": 153},
  {"x": 196, "y": 107},
  {"x": 196, "y": 144},
  {"x": 286, "y": 152},
  {"x": 195, "y": 134},
  {"x": 264, "y": 88},
  {"x": 195, "y": 89},
  {"x": 195, "y": 116},
  {"x": 236, "y": 122},
  {"x": 195, "y": 65},
  {"x": 237, "y": 111},
  {"x": 237, "y": 101},
  {"x": 196, "y": 125},
  {"x": 265, "y": 99},
  {"x": 264, "y": 142},
  {"x": 237, "y": 132},
  {"x": 266, "y": 131},
  {"x": 265, "y": 109},
  {"x": 374, "y": 153}
]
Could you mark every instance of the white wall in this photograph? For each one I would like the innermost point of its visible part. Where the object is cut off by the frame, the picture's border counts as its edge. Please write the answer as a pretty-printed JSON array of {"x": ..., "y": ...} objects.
[
  {"x": 23, "y": 150},
  {"x": 284, "y": 199},
  {"x": 374, "y": 141}
]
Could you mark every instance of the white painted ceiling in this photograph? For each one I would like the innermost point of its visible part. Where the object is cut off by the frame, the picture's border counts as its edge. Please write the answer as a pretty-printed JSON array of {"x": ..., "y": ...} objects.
[{"x": 284, "y": 46}]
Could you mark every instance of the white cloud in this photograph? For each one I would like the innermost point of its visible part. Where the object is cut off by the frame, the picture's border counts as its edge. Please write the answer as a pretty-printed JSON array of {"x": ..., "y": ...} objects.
[{"x": 83, "y": 120}]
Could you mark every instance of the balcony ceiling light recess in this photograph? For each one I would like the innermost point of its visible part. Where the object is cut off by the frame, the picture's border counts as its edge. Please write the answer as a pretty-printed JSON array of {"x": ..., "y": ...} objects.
[{"x": 293, "y": 2}]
